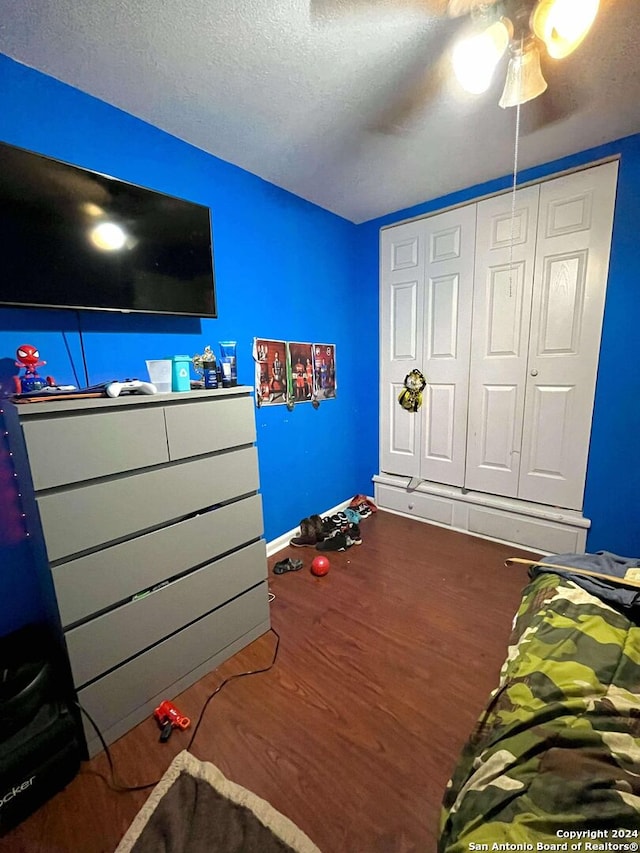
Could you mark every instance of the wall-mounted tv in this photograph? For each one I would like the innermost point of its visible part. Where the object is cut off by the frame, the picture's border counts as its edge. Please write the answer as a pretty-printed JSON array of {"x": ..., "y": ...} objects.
[{"x": 73, "y": 238}]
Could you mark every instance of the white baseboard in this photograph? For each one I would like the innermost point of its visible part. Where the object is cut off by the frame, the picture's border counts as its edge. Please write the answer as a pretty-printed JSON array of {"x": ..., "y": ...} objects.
[{"x": 281, "y": 542}]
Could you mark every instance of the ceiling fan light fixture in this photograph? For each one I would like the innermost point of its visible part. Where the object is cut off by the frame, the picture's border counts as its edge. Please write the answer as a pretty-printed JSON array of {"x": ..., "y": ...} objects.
[
  {"x": 476, "y": 57},
  {"x": 563, "y": 24},
  {"x": 524, "y": 76}
]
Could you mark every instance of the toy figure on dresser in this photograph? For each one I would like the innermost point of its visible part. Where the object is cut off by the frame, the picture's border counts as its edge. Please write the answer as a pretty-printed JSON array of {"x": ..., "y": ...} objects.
[
  {"x": 29, "y": 358},
  {"x": 206, "y": 366}
]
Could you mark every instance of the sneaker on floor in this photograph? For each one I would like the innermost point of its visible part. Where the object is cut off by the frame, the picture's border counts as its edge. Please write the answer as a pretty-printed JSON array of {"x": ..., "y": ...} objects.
[
  {"x": 304, "y": 541},
  {"x": 340, "y": 520},
  {"x": 335, "y": 531},
  {"x": 328, "y": 527},
  {"x": 353, "y": 535},
  {"x": 363, "y": 510},
  {"x": 307, "y": 537},
  {"x": 334, "y": 543},
  {"x": 358, "y": 500}
]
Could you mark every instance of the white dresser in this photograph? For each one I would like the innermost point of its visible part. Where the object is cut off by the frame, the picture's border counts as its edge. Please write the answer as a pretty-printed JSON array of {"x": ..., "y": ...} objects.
[{"x": 152, "y": 523}]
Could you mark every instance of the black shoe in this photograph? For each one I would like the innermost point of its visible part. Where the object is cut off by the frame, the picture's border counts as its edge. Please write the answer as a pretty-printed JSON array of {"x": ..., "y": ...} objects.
[
  {"x": 353, "y": 535},
  {"x": 340, "y": 520},
  {"x": 333, "y": 533},
  {"x": 334, "y": 543},
  {"x": 303, "y": 541},
  {"x": 328, "y": 527}
]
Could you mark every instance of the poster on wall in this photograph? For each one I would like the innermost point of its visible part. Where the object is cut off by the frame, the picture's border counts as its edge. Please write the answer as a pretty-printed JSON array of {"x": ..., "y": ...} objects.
[
  {"x": 324, "y": 370},
  {"x": 271, "y": 372},
  {"x": 300, "y": 366}
]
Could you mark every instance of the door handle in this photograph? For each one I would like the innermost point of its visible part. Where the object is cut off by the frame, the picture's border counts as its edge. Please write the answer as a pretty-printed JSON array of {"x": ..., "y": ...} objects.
[{"x": 534, "y": 372}]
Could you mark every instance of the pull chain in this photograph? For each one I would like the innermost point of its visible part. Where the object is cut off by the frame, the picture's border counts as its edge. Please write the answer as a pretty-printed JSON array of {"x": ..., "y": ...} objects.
[{"x": 515, "y": 174}]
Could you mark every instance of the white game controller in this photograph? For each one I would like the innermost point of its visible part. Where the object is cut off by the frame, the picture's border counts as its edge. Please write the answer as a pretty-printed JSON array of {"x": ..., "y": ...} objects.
[{"x": 129, "y": 386}]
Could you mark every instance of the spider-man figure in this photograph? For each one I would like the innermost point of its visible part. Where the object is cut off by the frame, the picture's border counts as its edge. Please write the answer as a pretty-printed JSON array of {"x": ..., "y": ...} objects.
[{"x": 29, "y": 358}]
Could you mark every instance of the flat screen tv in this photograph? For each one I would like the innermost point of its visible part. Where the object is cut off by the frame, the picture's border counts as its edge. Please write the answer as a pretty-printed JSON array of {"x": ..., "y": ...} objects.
[{"x": 73, "y": 238}]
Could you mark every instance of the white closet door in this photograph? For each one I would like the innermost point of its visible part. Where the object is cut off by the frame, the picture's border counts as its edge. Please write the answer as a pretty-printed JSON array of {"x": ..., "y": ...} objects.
[
  {"x": 500, "y": 340},
  {"x": 401, "y": 308},
  {"x": 572, "y": 262},
  {"x": 449, "y": 263}
]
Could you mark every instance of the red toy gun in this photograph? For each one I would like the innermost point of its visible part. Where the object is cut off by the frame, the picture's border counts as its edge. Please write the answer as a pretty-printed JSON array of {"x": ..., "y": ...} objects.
[{"x": 169, "y": 718}]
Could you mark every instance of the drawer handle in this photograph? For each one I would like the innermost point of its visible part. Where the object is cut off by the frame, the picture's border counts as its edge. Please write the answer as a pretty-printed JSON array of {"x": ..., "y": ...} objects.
[{"x": 411, "y": 506}]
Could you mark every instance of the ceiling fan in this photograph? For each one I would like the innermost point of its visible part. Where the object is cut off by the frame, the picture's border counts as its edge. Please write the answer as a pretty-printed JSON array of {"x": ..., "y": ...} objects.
[{"x": 521, "y": 29}]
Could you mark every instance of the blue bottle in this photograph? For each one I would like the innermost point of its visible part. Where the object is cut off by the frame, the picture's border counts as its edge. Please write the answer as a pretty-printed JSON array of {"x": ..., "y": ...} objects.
[{"x": 210, "y": 373}]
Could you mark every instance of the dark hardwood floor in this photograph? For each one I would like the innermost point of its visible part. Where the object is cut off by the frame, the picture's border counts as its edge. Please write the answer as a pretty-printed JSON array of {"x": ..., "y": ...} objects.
[{"x": 383, "y": 668}]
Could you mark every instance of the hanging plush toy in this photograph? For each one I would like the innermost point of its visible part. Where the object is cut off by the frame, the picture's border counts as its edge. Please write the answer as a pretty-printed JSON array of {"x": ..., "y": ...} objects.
[{"x": 411, "y": 398}]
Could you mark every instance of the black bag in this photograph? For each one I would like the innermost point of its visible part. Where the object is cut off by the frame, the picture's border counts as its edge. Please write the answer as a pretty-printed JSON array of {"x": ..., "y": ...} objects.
[{"x": 40, "y": 744}]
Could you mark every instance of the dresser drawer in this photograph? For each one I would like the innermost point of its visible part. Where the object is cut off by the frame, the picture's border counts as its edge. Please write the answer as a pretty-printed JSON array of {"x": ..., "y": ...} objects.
[
  {"x": 210, "y": 425},
  {"x": 128, "y": 694},
  {"x": 99, "y": 580},
  {"x": 110, "y": 639},
  {"x": 84, "y": 518},
  {"x": 76, "y": 447}
]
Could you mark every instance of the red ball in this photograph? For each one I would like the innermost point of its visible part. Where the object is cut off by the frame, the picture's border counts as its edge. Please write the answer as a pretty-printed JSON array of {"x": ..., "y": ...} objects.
[{"x": 320, "y": 566}]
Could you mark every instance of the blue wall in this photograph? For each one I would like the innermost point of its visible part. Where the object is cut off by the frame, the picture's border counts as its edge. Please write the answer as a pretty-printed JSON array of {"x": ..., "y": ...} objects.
[
  {"x": 289, "y": 270},
  {"x": 612, "y": 497},
  {"x": 284, "y": 270}
]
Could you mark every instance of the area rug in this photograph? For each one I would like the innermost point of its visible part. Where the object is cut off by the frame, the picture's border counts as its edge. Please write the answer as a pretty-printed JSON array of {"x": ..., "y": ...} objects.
[{"x": 194, "y": 808}]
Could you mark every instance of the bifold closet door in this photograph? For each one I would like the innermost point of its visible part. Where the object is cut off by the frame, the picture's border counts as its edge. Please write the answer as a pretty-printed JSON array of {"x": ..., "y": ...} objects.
[
  {"x": 425, "y": 320},
  {"x": 401, "y": 308},
  {"x": 572, "y": 264},
  {"x": 500, "y": 340},
  {"x": 449, "y": 242}
]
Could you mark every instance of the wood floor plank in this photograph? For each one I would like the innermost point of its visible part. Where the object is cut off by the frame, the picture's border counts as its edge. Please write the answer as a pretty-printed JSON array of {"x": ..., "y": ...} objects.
[{"x": 383, "y": 668}]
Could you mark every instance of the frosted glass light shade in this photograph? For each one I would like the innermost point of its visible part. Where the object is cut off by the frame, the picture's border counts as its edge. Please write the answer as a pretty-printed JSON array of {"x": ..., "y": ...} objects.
[
  {"x": 524, "y": 77},
  {"x": 475, "y": 58},
  {"x": 563, "y": 24}
]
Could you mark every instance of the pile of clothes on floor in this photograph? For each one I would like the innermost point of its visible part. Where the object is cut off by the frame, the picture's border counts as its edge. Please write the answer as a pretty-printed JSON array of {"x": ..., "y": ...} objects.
[{"x": 336, "y": 532}]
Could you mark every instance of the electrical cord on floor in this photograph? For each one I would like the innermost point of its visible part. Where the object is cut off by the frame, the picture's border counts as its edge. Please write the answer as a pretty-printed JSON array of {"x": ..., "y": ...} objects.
[{"x": 114, "y": 784}]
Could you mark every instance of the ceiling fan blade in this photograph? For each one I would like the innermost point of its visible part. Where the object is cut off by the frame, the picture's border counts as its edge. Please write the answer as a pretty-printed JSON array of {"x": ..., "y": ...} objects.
[
  {"x": 332, "y": 9},
  {"x": 403, "y": 109},
  {"x": 457, "y": 8},
  {"x": 409, "y": 94},
  {"x": 559, "y": 102}
]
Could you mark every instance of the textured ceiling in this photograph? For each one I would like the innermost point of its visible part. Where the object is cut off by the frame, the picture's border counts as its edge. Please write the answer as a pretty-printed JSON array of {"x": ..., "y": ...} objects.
[{"x": 348, "y": 103}]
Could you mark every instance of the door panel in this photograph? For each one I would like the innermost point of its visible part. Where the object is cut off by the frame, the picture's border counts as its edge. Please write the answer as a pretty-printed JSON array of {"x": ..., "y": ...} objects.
[
  {"x": 440, "y": 407},
  {"x": 499, "y": 417},
  {"x": 501, "y": 316},
  {"x": 402, "y": 434},
  {"x": 450, "y": 238},
  {"x": 563, "y": 282},
  {"x": 572, "y": 261},
  {"x": 404, "y": 332},
  {"x": 402, "y": 251},
  {"x": 552, "y": 411}
]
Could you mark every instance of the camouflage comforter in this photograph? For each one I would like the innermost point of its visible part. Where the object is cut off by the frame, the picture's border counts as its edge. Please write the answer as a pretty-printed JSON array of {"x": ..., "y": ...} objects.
[{"x": 557, "y": 749}]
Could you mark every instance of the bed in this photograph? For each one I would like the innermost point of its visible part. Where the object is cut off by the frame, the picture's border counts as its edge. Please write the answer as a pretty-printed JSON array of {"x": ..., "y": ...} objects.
[{"x": 554, "y": 760}]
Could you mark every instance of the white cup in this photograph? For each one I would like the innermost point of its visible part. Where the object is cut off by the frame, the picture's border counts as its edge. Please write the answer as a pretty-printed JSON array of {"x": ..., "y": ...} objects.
[{"x": 160, "y": 374}]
